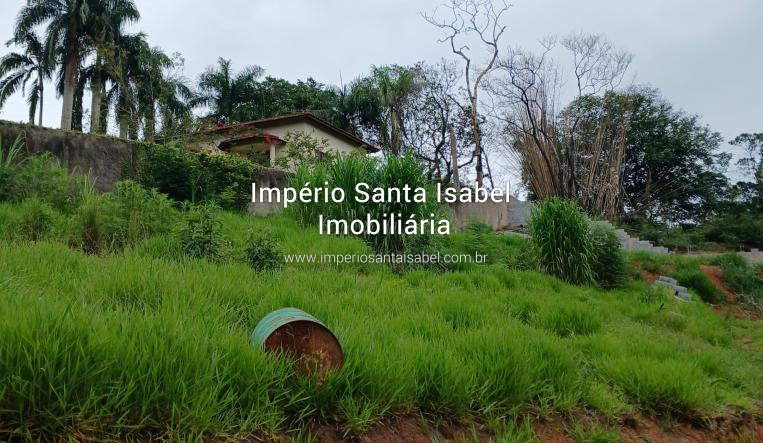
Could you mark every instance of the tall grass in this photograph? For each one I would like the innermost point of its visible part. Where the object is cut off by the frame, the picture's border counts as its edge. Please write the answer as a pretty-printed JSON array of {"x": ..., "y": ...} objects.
[
  {"x": 345, "y": 173},
  {"x": 561, "y": 239},
  {"x": 607, "y": 261},
  {"x": 126, "y": 346}
]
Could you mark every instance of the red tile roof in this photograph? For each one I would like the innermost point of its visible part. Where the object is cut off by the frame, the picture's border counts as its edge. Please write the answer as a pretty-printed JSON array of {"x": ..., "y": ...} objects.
[{"x": 300, "y": 116}]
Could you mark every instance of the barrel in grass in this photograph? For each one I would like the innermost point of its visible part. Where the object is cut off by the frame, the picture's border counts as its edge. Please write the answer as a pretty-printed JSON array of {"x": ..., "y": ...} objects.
[{"x": 295, "y": 333}]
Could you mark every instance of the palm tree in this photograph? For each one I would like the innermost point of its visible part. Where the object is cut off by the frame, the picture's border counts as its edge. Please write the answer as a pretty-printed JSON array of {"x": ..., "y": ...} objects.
[
  {"x": 224, "y": 91},
  {"x": 160, "y": 91},
  {"x": 378, "y": 102},
  {"x": 106, "y": 27},
  {"x": 66, "y": 21},
  {"x": 71, "y": 26},
  {"x": 21, "y": 67},
  {"x": 128, "y": 63}
]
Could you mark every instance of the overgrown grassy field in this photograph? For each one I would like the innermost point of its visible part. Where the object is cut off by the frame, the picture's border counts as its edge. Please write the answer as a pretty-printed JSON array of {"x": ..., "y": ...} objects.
[{"x": 143, "y": 342}]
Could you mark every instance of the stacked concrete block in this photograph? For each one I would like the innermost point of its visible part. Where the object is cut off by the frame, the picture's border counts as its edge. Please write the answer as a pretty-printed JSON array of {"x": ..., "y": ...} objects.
[
  {"x": 677, "y": 290},
  {"x": 753, "y": 256},
  {"x": 633, "y": 244}
]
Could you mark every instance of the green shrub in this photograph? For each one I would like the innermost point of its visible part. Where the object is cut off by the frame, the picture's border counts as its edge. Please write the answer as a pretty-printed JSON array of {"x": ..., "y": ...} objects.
[
  {"x": 736, "y": 229},
  {"x": 346, "y": 173},
  {"x": 200, "y": 235},
  {"x": 35, "y": 219},
  {"x": 696, "y": 279},
  {"x": 40, "y": 176},
  {"x": 96, "y": 227},
  {"x": 10, "y": 156},
  {"x": 522, "y": 258},
  {"x": 223, "y": 179},
  {"x": 262, "y": 252},
  {"x": 143, "y": 212},
  {"x": 743, "y": 279},
  {"x": 608, "y": 262},
  {"x": 561, "y": 240}
]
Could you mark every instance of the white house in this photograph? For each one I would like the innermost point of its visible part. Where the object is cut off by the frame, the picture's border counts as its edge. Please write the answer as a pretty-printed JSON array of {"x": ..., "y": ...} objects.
[{"x": 266, "y": 136}]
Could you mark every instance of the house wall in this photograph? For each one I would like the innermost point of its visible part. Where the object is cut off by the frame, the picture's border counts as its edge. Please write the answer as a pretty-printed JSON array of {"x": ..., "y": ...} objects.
[{"x": 336, "y": 144}]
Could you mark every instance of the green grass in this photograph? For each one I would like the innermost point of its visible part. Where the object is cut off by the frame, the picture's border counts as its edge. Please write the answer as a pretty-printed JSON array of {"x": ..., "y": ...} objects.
[{"x": 145, "y": 342}]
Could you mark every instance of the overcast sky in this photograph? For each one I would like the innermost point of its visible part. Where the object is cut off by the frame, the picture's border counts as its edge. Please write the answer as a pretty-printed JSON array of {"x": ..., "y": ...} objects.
[{"x": 705, "y": 56}]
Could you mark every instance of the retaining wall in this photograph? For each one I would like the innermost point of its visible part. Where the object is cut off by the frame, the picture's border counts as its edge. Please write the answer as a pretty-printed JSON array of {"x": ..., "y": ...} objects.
[
  {"x": 268, "y": 178},
  {"x": 103, "y": 158}
]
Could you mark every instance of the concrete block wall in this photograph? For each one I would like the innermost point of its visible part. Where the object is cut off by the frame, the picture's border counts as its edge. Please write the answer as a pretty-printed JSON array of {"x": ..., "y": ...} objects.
[
  {"x": 753, "y": 256},
  {"x": 631, "y": 243}
]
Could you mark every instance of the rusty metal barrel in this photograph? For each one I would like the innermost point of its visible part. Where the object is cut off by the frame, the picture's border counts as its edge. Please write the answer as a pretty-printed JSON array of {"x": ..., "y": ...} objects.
[{"x": 312, "y": 345}]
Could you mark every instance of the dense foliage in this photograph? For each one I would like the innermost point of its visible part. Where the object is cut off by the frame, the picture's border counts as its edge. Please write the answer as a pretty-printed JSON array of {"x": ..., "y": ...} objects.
[{"x": 225, "y": 180}]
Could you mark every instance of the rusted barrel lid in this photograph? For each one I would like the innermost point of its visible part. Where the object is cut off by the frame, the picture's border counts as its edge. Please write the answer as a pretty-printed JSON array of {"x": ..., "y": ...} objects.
[{"x": 302, "y": 336}]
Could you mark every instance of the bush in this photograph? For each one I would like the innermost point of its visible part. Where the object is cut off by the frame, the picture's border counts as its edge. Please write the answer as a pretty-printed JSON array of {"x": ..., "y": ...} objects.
[
  {"x": 200, "y": 235},
  {"x": 96, "y": 226},
  {"x": 10, "y": 156},
  {"x": 40, "y": 176},
  {"x": 262, "y": 253},
  {"x": 143, "y": 212},
  {"x": 35, "y": 219},
  {"x": 222, "y": 179},
  {"x": 743, "y": 279},
  {"x": 346, "y": 173},
  {"x": 561, "y": 240},
  {"x": 737, "y": 229},
  {"x": 608, "y": 262},
  {"x": 697, "y": 280}
]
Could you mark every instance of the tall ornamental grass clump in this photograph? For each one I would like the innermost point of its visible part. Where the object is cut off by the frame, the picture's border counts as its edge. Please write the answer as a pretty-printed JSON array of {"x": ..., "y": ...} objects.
[
  {"x": 562, "y": 241},
  {"x": 608, "y": 261},
  {"x": 346, "y": 173}
]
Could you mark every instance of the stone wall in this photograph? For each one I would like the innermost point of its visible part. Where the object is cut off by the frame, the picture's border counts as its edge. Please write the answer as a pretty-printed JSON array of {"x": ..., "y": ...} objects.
[
  {"x": 519, "y": 212},
  {"x": 268, "y": 178},
  {"x": 496, "y": 215},
  {"x": 103, "y": 158}
]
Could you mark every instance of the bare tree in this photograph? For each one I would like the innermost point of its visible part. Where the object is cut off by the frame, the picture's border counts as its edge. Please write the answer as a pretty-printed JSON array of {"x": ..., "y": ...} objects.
[
  {"x": 481, "y": 20},
  {"x": 526, "y": 96}
]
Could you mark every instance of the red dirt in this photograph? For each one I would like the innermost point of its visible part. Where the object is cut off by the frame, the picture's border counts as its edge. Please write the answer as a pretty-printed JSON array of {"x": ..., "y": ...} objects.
[
  {"x": 727, "y": 428},
  {"x": 715, "y": 274},
  {"x": 650, "y": 277},
  {"x": 407, "y": 429},
  {"x": 732, "y": 307}
]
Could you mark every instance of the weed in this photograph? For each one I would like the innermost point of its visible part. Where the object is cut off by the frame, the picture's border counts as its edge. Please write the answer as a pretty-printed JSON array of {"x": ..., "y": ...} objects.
[
  {"x": 200, "y": 235},
  {"x": 262, "y": 252}
]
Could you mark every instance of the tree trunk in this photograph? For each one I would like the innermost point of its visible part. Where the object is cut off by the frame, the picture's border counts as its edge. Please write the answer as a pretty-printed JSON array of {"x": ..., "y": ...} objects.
[
  {"x": 454, "y": 159},
  {"x": 78, "y": 108},
  {"x": 123, "y": 126},
  {"x": 41, "y": 85},
  {"x": 96, "y": 91},
  {"x": 477, "y": 138},
  {"x": 71, "y": 73}
]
